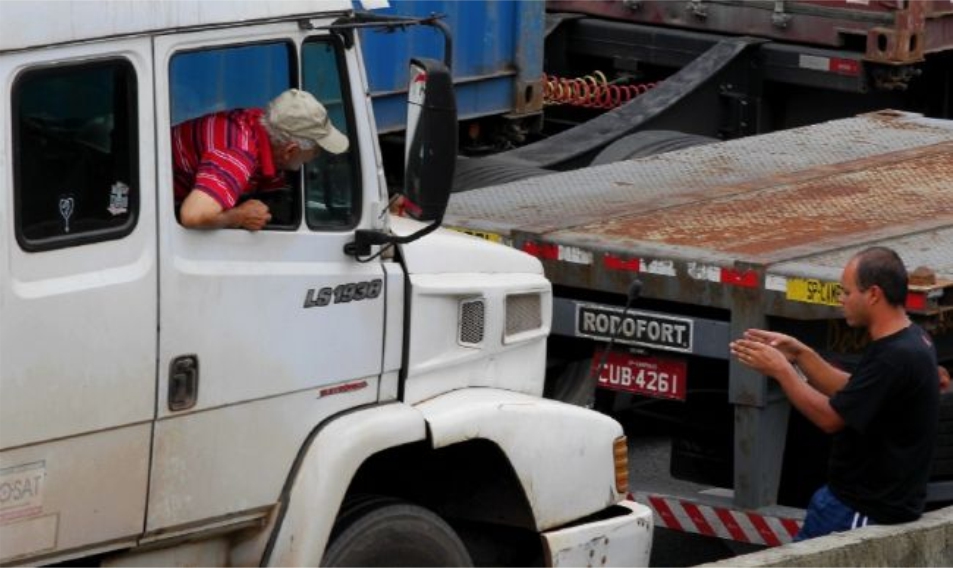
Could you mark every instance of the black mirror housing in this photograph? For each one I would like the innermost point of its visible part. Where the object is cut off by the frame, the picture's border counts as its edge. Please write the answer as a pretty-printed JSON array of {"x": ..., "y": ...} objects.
[{"x": 431, "y": 151}]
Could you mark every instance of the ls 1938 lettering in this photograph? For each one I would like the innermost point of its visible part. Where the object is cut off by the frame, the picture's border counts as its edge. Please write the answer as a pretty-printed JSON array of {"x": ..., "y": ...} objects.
[{"x": 343, "y": 293}]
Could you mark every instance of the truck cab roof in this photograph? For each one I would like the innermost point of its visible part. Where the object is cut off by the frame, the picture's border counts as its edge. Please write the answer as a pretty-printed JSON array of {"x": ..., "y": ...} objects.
[{"x": 33, "y": 23}]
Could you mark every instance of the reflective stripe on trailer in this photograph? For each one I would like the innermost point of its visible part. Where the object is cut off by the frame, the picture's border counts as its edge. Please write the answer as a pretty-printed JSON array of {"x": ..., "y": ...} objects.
[
  {"x": 802, "y": 290},
  {"x": 660, "y": 267},
  {"x": 742, "y": 526},
  {"x": 664, "y": 267}
]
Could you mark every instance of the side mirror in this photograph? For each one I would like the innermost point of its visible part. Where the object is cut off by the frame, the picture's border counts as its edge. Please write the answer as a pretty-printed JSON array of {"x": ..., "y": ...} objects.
[
  {"x": 431, "y": 151},
  {"x": 430, "y": 157}
]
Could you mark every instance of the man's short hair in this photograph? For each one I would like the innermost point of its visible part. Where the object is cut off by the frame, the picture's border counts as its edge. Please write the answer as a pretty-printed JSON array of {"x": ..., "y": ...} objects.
[
  {"x": 280, "y": 137},
  {"x": 882, "y": 267}
]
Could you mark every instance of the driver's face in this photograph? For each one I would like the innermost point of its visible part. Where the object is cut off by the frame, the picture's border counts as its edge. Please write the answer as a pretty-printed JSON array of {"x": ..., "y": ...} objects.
[{"x": 292, "y": 157}]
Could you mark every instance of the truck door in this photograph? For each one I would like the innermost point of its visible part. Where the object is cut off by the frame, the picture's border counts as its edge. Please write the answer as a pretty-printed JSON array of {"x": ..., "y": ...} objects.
[
  {"x": 78, "y": 295},
  {"x": 263, "y": 334}
]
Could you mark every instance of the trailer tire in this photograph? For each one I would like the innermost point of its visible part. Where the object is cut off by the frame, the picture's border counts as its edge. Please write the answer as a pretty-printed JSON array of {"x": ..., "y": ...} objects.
[
  {"x": 946, "y": 411},
  {"x": 943, "y": 455},
  {"x": 382, "y": 531},
  {"x": 474, "y": 173},
  {"x": 648, "y": 143},
  {"x": 571, "y": 382}
]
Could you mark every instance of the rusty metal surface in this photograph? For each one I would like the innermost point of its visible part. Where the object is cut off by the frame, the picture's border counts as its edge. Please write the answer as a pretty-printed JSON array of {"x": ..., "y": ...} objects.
[
  {"x": 904, "y": 42},
  {"x": 892, "y": 194},
  {"x": 594, "y": 196},
  {"x": 815, "y": 22}
]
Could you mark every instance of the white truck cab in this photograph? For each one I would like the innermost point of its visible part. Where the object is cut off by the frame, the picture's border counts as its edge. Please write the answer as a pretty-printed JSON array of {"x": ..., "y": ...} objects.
[{"x": 327, "y": 390}]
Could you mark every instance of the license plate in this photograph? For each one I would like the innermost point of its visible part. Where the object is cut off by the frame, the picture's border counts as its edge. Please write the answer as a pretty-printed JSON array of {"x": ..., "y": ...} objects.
[{"x": 641, "y": 374}]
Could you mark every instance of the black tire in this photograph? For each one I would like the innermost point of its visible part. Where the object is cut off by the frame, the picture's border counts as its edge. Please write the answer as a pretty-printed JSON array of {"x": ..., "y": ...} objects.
[
  {"x": 946, "y": 407},
  {"x": 474, "y": 173},
  {"x": 381, "y": 531},
  {"x": 943, "y": 452},
  {"x": 648, "y": 143},
  {"x": 942, "y": 467}
]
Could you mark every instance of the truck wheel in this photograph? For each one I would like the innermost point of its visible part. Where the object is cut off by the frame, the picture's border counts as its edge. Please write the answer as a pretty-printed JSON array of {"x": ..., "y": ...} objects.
[
  {"x": 474, "y": 173},
  {"x": 648, "y": 143},
  {"x": 943, "y": 457},
  {"x": 381, "y": 531}
]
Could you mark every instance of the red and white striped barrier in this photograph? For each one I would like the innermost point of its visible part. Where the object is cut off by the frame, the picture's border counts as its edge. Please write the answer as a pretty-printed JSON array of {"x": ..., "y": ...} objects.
[{"x": 742, "y": 526}]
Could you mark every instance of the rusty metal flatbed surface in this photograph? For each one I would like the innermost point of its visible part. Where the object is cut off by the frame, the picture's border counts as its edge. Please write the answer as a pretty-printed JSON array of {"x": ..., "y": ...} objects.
[
  {"x": 892, "y": 195},
  {"x": 777, "y": 199}
]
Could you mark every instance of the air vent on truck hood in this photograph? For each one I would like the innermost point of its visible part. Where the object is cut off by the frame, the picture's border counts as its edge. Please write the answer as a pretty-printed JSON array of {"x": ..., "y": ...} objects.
[
  {"x": 472, "y": 321},
  {"x": 523, "y": 313}
]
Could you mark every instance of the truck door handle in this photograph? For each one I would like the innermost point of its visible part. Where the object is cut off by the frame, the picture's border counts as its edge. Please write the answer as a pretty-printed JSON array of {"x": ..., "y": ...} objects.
[{"x": 183, "y": 382}]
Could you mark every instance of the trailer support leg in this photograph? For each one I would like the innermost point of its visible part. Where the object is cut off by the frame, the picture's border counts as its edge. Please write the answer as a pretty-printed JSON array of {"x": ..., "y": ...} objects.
[
  {"x": 761, "y": 415},
  {"x": 759, "y": 451}
]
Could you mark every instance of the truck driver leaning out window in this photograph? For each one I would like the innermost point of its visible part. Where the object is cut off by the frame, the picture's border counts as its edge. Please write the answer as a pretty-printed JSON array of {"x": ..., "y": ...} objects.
[{"x": 221, "y": 156}]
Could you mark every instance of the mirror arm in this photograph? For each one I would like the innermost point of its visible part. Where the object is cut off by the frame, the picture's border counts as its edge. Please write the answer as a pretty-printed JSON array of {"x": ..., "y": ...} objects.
[
  {"x": 364, "y": 239},
  {"x": 443, "y": 28},
  {"x": 361, "y": 19}
]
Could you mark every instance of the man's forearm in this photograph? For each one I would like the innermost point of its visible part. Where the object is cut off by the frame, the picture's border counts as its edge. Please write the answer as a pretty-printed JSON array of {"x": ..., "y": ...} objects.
[
  {"x": 823, "y": 376},
  {"x": 199, "y": 211},
  {"x": 229, "y": 219},
  {"x": 812, "y": 403},
  {"x": 210, "y": 220}
]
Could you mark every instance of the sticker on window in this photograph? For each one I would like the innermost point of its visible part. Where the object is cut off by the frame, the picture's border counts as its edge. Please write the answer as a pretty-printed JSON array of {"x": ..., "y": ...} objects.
[
  {"x": 118, "y": 198},
  {"x": 66, "y": 211}
]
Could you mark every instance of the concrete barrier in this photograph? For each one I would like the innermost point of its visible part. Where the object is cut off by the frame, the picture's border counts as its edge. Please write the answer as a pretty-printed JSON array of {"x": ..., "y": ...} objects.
[{"x": 926, "y": 542}]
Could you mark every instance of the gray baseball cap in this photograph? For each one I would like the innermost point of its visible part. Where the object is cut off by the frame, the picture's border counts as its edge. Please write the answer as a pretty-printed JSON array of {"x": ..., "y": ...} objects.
[{"x": 298, "y": 113}]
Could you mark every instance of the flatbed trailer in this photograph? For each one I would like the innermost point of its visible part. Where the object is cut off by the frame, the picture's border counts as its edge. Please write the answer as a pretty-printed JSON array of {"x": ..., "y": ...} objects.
[{"x": 752, "y": 232}]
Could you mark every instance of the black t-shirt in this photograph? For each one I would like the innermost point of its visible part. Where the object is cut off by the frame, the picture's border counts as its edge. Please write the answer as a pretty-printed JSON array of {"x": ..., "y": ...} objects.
[{"x": 880, "y": 461}]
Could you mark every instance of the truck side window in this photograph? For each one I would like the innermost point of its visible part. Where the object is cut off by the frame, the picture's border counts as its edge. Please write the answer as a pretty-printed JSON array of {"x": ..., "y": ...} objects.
[
  {"x": 75, "y": 154},
  {"x": 332, "y": 182},
  {"x": 243, "y": 76}
]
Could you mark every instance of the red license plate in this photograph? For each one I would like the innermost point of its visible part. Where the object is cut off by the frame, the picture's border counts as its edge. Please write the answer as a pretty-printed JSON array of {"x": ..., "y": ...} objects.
[{"x": 641, "y": 374}]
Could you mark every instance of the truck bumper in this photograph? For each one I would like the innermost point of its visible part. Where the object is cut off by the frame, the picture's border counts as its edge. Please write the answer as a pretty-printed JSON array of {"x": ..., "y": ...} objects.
[{"x": 622, "y": 538}]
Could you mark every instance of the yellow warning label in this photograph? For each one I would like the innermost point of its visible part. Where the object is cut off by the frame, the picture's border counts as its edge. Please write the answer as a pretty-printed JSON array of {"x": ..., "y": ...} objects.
[
  {"x": 814, "y": 291},
  {"x": 487, "y": 236}
]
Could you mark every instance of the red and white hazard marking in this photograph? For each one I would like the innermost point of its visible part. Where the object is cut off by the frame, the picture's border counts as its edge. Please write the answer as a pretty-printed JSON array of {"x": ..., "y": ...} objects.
[
  {"x": 795, "y": 289},
  {"x": 731, "y": 524}
]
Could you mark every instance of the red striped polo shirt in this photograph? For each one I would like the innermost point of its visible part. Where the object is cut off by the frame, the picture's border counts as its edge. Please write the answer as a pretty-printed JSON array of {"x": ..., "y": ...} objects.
[{"x": 224, "y": 154}]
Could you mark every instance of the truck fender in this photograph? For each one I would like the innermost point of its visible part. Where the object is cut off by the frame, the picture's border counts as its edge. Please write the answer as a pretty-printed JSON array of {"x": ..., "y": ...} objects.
[
  {"x": 324, "y": 472},
  {"x": 562, "y": 454}
]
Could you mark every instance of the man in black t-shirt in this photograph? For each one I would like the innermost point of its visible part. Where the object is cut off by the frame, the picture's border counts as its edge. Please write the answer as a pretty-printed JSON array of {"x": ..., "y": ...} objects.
[
  {"x": 880, "y": 463},
  {"x": 883, "y": 416}
]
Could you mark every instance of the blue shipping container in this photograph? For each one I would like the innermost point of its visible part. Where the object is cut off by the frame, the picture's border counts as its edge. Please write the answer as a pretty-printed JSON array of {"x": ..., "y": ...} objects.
[{"x": 497, "y": 57}]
